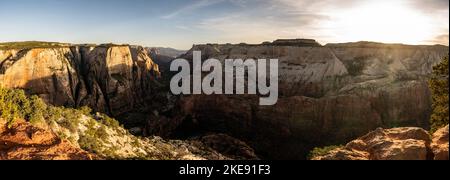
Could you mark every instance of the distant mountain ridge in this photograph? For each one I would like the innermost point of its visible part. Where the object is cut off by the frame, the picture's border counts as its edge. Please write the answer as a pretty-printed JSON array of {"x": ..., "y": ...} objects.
[{"x": 166, "y": 51}]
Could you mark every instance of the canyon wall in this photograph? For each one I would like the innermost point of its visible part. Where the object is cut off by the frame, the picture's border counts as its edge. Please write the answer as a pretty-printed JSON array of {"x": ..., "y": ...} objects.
[
  {"x": 328, "y": 95},
  {"x": 108, "y": 78}
]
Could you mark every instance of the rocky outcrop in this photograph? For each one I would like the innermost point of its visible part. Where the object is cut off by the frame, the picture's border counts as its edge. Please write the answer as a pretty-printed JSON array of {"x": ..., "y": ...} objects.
[
  {"x": 25, "y": 142},
  {"x": 329, "y": 94},
  {"x": 108, "y": 78},
  {"x": 440, "y": 143},
  {"x": 394, "y": 144}
]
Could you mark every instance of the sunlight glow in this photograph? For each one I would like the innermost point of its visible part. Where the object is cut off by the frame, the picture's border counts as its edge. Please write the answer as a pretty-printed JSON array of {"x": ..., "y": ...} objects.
[{"x": 382, "y": 21}]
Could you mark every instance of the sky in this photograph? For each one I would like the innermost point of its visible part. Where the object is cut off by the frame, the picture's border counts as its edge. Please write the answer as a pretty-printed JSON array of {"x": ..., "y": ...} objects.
[{"x": 182, "y": 23}]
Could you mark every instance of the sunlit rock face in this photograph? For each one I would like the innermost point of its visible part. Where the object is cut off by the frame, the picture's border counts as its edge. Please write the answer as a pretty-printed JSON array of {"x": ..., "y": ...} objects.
[
  {"x": 328, "y": 95},
  {"x": 386, "y": 144},
  {"x": 108, "y": 78},
  {"x": 394, "y": 144}
]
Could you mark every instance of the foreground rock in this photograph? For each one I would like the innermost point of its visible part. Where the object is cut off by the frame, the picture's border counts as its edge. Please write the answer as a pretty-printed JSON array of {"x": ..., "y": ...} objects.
[
  {"x": 440, "y": 144},
  {"x": 87, "y": 138},
  {"x": 25, "y": 142},
  {"x": 394, "y": 144}
]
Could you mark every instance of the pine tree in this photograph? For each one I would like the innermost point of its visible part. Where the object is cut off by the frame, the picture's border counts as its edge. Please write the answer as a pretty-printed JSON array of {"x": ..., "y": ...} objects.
[{"x": 439, "y": 87}]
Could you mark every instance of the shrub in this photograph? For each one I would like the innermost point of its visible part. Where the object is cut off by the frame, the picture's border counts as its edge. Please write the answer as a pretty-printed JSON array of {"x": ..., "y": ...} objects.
[
  {"x": 107, "y": 121},
  {"x": 37, "y": 110},
  {"x": 14, "y": 104},
  {"x": 357, "y": 65},
  {"x": 439, "y": 87},
  {"x": 322, "y": 151},
  {"x": 85, "y": 110}
]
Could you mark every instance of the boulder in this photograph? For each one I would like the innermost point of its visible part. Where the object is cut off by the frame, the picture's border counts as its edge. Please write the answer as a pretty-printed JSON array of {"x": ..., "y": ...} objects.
[{"x": 440, "y": 144}]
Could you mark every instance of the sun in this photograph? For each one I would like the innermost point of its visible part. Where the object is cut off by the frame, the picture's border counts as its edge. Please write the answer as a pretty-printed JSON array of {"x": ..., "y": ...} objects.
[{"x": 382, "y": 21}]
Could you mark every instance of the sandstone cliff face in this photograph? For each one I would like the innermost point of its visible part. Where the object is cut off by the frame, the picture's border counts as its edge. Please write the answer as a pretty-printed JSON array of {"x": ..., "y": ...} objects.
[
  {"x": 107, "y": 78},
  {"x": 328, "y": 95}
]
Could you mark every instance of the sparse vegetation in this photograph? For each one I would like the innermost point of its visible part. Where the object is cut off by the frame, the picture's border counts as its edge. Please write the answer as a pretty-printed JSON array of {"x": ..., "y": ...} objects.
[
  {"x": 322, "y": 151},
  {"x": 356, "y": 67},
  {"x": 15, "y": 105},
  {"x": 37, "y": 110},
  {"x": 31, "y": 44},
  {"x": 439, "y": 87},
  {"x": 96, "y": 133},
  {"x": 11, "y": 105}
]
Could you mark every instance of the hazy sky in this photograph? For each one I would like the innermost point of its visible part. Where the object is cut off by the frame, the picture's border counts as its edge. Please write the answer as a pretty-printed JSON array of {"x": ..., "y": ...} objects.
[{"x": 181, "y": 23}]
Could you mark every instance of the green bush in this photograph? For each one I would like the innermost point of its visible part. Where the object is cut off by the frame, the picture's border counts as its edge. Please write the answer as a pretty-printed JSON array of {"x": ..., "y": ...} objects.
[
  {"x": 38, "y": 109},
  {"x": 439, "y": 87},
  {"x": 107, "y": 121},
  {"x": 14, "y": 104},
  {"x": 322, "y": 151},
  {"x": 85, "y": 110}
]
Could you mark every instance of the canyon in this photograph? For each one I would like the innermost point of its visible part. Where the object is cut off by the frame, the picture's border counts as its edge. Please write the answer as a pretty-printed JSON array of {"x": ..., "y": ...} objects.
[{"x": 329, "y": 94}]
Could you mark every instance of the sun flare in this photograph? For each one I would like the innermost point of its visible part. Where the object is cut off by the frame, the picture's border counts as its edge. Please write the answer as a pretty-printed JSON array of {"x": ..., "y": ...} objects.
[{"x": 382, "y": 21}]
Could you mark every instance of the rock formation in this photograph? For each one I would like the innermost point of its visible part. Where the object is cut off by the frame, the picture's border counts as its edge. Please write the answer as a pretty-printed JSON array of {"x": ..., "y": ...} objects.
[
  {"x": 108, "y": 78},
  {"x": 328, "y": 95},
  {"x": 25, "y": 142},
  {"x": 440, "y": 143},
  {"x": 394, "y": 144}
]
